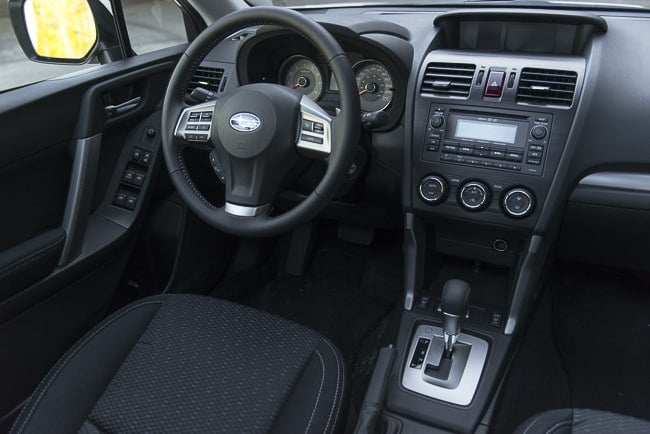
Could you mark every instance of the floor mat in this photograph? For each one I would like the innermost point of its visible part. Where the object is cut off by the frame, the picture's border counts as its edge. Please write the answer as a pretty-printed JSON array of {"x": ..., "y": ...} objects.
[
  {"x": 588, "y": 346},
  {"x": 343, "y": 296},
  {"x": 602, "y": 324}
]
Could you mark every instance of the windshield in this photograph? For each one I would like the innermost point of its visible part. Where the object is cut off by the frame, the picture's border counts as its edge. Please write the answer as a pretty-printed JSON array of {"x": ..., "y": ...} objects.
[{"x": 585, "y": 4}]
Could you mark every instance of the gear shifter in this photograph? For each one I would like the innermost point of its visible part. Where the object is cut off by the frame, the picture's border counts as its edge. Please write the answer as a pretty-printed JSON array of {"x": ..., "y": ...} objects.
[{"x": 453, "y": 304}]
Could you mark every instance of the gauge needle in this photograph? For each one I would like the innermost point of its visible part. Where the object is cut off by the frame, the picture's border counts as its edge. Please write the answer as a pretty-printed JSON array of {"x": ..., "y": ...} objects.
[
  {"x": 362, "y": 91},
  {"x": 296, "y": 86}
]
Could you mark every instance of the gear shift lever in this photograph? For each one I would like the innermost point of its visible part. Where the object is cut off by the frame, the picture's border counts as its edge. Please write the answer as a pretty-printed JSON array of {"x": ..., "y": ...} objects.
[{"x": 453, "y": 304}]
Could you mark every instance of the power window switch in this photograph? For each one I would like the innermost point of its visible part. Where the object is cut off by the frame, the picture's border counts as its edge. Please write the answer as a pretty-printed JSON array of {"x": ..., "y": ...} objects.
[
  {"x": 136, "y": 154},
  {"x": 138, "y": 180},
  {"x": 146, "y": 157},
  {"x": 128, "y": 176},
  {"x": 119, "y": 200},
  {"x": 130, "y": 202}
]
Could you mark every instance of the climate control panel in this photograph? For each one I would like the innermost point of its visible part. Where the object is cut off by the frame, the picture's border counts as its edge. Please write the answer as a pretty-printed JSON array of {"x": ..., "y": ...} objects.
[{"x": 475, "y": 195}]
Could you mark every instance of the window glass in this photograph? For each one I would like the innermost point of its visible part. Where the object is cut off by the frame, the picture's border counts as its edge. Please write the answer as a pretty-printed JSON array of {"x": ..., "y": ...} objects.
[{"x": 153, "y": 24}]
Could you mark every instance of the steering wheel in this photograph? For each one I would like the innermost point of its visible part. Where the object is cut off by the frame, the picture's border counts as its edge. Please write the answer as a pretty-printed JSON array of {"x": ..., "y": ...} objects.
[{"x": 260, "y": 130}]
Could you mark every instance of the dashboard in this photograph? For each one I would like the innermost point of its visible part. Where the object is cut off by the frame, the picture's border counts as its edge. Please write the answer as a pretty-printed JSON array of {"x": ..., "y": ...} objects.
[{"x": 482, "y": 120}]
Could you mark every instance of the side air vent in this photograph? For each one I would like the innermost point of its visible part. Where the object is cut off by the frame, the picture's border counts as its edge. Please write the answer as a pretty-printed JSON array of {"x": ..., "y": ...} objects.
[
  {"x": 448, "y": 79},
  {"x": 546, "y": 87},
  {"x": 207, "y": 78}
]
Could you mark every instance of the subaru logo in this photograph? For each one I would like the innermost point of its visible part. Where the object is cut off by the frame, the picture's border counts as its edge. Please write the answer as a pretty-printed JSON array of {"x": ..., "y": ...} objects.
[{"x": 245, "y": 122}]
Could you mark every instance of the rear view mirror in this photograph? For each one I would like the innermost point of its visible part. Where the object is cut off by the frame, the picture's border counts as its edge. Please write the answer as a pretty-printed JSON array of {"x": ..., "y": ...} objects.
[{"x": 54, "y": 31}]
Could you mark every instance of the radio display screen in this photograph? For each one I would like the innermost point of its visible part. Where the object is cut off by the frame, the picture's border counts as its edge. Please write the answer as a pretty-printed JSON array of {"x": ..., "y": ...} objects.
[{"x": 492, "y": 132}]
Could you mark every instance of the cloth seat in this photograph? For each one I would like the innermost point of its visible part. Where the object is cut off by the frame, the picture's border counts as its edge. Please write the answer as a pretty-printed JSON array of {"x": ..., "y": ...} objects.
[
  {"x": 568, "y": 420},
  {"x": 187, "y": 363}
]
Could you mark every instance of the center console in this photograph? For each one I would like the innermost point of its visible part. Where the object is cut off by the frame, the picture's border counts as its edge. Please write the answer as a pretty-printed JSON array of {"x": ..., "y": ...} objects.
[{"x": 494, "y": 104}]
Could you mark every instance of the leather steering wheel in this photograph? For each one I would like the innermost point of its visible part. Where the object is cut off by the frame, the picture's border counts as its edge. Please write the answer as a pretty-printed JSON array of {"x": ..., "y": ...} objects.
[{"x": 260, "y": 130}]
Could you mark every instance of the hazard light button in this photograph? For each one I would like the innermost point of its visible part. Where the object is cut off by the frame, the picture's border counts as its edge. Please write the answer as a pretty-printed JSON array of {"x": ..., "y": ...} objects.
[{"x": 494, "y": 85}]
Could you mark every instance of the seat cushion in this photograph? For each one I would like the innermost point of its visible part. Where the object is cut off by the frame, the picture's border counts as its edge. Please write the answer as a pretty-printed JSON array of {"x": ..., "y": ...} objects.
[
  {"x": 569, "y": 420},
  {"x": 192, "y": 364}
]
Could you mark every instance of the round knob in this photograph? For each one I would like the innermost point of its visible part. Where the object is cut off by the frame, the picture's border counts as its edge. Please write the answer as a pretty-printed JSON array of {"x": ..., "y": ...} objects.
[
  {"x": 437, "y": 121},
  {"x": 518, "y": 202},
  {"x": 538, "y": 132},
  {"x": 474, "y": 195},
  {"x": 433, "y": 189}
]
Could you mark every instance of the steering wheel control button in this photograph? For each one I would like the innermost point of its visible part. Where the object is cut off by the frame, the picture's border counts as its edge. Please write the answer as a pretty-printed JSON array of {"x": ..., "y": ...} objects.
[
  {"x": 433, "y": 189},
  {"x": 538, "y": 132},
  {"x": 193, "y": 119},
  {"x": 317, "y": 123},
  {"x": 474, "y": 196},
  {"x": 518, "y": 202},
  {"x": 494, "y": 85}
]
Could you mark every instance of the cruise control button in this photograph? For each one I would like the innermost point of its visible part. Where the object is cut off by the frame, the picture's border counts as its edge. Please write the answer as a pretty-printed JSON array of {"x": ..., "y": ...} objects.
[
  {"x": 319, "y": 128},
  {"x": 307, "y": 125},
  {"x": 312, "y": 139}
]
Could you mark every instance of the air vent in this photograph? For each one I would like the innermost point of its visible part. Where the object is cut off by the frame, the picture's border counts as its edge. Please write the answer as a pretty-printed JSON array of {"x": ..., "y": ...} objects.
[
  {"x": 448, "y": 79},
  {"x": 546, "y": 87},
  {"x": 207, "y": 78}
]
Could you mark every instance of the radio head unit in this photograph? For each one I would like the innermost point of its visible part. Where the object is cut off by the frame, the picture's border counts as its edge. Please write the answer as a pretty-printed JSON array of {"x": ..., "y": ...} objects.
[{"x": 515, "y": 143}]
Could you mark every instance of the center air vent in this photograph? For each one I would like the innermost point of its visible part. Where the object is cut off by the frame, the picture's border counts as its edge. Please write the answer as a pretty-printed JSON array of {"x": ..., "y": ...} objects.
[
  {"x": 547, "y": 87},
  {"x": 448, "y": 79},
  {"x": 207, "y": 78}
]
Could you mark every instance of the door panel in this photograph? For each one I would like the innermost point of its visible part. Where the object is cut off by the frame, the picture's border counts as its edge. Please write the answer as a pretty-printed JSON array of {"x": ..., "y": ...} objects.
[{"x": 64, "y": 242}]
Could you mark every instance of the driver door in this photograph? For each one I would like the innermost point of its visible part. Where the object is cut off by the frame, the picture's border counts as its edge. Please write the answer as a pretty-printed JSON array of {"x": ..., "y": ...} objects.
[{"x": 78, "y": 156}]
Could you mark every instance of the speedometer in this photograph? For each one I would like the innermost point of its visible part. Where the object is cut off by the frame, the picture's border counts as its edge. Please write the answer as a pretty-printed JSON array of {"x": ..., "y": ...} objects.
[
  {"x": 302, "y": 73},
  {"x": 375, "y": 85}
]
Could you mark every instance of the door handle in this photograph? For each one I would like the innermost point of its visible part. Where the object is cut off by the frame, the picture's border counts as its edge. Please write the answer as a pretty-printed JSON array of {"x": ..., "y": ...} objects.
[{"x": 118, "y": 109}]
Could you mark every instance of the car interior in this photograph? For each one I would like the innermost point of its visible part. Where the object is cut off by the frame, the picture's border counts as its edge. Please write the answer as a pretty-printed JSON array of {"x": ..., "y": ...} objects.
[{"x": 354, "y": 217}]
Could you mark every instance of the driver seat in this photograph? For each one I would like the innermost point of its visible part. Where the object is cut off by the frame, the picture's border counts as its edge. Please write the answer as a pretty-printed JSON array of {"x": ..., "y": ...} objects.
[{"x": 188, "y": 363}]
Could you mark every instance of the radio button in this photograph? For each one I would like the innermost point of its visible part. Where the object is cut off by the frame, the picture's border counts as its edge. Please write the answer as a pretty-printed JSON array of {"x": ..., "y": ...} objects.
[
  {"x": 498, "y": 155},
  {"x": 465, "y": 149},
  {"x": 437, "y": 121},
  {"x": 539, "y": 148},
  {"x": 535, "y": 161},
  {"x": 447, "y": 147},
  {"x": 481, "y": 153},
  {"x": 538, "y": 132},
  {"x": 515, "y": 156},
  {"x": 534, "y": 154}
]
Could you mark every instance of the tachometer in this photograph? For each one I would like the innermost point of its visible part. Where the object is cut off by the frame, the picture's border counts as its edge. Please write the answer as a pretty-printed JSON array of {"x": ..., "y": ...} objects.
[
  {"x": 375, "y": 85},
  {"x": 302, "y": 73}
]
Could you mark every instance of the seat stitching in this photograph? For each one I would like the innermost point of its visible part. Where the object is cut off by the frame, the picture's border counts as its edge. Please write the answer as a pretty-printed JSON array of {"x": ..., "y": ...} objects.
[
  {"x": 558, "y": 425},
  {"x": 320, "y": 389},
  {"x": 26, "y": 259},
  {"x": 336, "y": 393},
  {"x": 57, "y": 369},
  {"x": 338, "y": 407},
  {"x": 537, "y": 419}
]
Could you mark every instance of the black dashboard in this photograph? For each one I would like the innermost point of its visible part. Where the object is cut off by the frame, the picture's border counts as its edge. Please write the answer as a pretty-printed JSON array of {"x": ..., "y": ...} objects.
[{"x": 484, "y": 118}]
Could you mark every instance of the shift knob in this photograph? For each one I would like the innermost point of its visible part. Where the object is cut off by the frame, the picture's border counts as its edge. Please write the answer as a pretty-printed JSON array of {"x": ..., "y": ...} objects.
[{"x": 453, "y": 304}]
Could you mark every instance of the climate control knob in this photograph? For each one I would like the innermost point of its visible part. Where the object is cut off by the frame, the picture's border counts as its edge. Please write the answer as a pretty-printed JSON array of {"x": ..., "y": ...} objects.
[
  {"x": 437, "y": 121},
  {"x": 518, "y": 202},
  {"x": 538, "y": 132},
  {"x": 433, "y": 189},
  {"x": 474, "y": 196}
]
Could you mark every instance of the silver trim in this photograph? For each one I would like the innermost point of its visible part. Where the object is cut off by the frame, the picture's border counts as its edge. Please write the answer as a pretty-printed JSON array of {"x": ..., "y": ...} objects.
[
  {"x": 413, "y": 380},
  {"x": 523, "y": 191},
  {"x": 618, "y": 180},
  {"x": 443, "y": 188},
  {"x": 182, "y": 132},
  {"x": 246, "y": 211},
  {"x": 473, "y": 184},
  {"x": 310, "y": 111}
]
